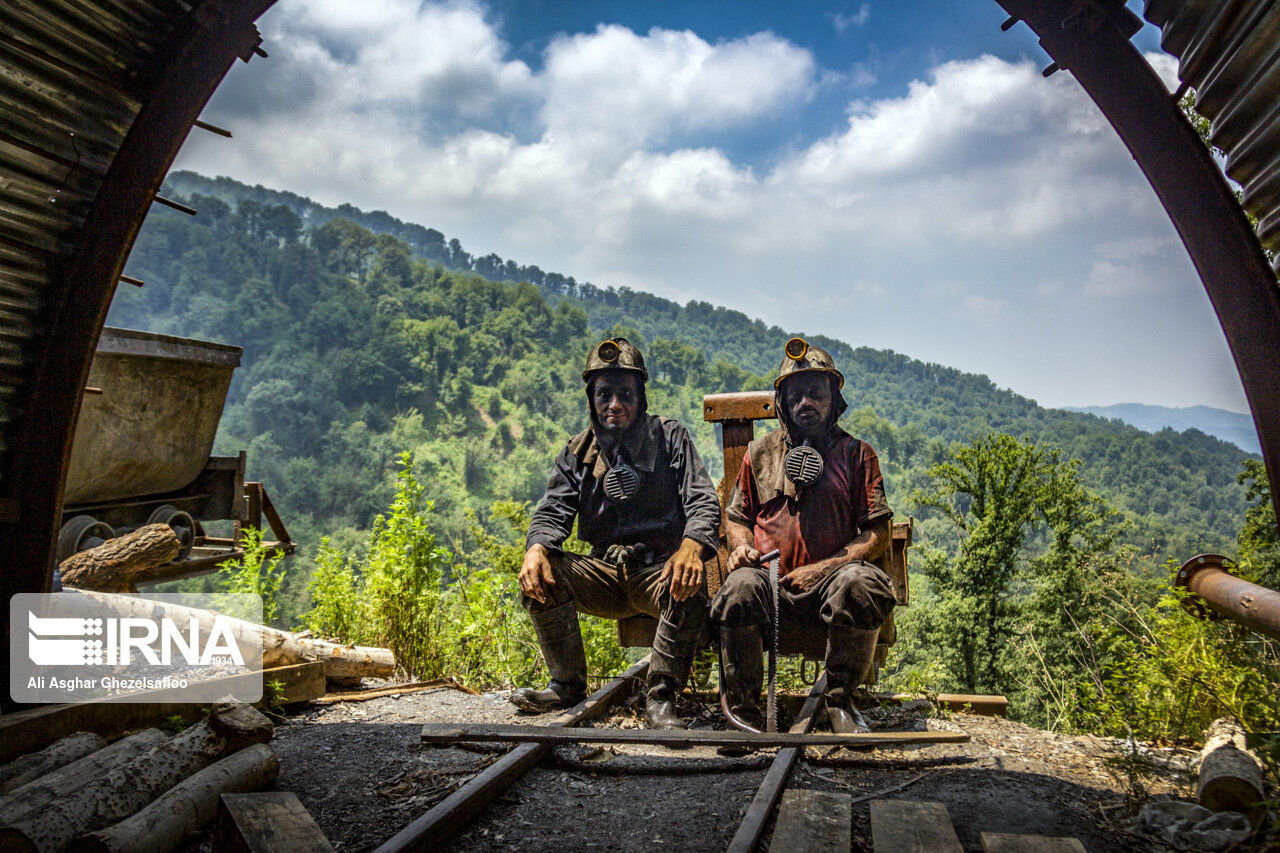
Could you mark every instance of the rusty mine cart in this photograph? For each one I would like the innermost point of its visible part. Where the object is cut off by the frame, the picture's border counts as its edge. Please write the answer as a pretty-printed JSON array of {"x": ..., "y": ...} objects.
[{"x": 141, "y": 454}]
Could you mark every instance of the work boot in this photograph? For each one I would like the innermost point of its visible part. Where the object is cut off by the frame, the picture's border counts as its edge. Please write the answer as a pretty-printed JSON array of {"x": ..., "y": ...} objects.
[
  {"x": 850, "y": 652},
  {"x": 742, "y": 664},
  {"x": 669, "y": 664},
  {"x": 561, "y": 643},
  {"x": 660, "y": 705}
]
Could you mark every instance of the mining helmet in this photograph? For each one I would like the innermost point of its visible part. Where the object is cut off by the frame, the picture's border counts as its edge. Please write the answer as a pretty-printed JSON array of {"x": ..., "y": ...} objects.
[
  {"x": 618, "y": 353},
  {"x": 800, "y": 357}
]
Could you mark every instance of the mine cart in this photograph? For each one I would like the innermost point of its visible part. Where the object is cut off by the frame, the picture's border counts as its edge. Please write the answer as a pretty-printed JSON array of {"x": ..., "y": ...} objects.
[
  {"x": 141, "y": 453},
  {"x": 736, "y": 414}
]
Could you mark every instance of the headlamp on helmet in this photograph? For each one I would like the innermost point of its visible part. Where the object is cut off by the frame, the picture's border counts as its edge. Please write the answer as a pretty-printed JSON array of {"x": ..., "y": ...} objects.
[{"x": 609, "y": 352}]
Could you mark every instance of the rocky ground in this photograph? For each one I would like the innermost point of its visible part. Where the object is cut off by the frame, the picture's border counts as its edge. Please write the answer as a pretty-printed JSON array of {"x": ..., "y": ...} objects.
[{"x": 360, "y": 770}]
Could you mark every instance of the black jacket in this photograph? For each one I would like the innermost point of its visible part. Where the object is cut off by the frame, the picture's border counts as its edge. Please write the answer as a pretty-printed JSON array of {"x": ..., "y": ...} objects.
[{"x": 675, "y": 498}]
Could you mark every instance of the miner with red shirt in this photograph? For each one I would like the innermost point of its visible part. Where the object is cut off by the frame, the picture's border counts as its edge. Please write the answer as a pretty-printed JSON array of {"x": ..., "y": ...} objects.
[{"x": 815, "y": 493}]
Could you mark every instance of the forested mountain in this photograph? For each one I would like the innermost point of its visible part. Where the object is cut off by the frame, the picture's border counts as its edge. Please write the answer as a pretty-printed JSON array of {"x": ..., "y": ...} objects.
[
  {"x": 365, "y": 336},
  {"x": 1219, "y": 423}
]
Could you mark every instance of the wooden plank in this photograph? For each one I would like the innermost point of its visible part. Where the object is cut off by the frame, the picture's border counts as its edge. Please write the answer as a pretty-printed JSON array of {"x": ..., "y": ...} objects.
[
  {"x": 738, "y": 406},
  {"x": 394, "y": 690},
  {"x": 448, "y": 733},
  {"x": 761, "y": 806},
  {"x": 986, "y": 706},
  {"x": 267, "y": 822},
  {"x": 448, "y": 816},
  {"x": 813, "y": 820},
  {"x": 735, "y": 435},
  {"x": 298, "y": 683},
  {"x": 906, "y": 826},
  {"x": 32, "y": 729},
  {"x": 996, "y": 842}
]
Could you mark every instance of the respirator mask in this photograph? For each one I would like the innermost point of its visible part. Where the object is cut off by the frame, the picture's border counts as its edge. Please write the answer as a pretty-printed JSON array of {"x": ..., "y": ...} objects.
[
  {"x": 803, "y": 464},
  {"x": 622, "y": 482}
]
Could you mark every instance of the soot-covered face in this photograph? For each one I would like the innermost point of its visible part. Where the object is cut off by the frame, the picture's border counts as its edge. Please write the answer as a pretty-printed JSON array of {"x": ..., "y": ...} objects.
[
  {"x": 615, "y": 398},
  {"x": 807, "y": 397}
]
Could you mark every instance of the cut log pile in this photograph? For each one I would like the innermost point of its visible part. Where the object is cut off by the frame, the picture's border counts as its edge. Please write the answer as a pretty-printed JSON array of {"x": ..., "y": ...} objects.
[
  {"x": 144, "y": 792},
  {"x": 279, "y": 648},
  {"x": 117, "y": 564}
]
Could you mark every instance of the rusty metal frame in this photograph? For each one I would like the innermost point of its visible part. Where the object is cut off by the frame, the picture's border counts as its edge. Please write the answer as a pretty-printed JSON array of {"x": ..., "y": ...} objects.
[
  {"x": 203, "y": 47},
  {"x": 1090, "y": 38}
]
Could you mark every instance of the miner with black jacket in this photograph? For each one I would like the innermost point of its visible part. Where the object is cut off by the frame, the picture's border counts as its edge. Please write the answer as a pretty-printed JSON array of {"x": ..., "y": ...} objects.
[
  {"x": 815, "y": 493},
  {"x": 644, "y": 502}
]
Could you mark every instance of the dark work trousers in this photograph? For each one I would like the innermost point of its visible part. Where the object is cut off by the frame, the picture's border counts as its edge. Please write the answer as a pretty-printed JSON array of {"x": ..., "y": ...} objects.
[
  {"x": 856, "y": 595},
  {"x": 603, "y": 589}
]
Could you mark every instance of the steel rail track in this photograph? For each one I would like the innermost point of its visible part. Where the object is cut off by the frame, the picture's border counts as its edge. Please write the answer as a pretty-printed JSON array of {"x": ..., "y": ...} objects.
[{"x": 449, "y": 816}]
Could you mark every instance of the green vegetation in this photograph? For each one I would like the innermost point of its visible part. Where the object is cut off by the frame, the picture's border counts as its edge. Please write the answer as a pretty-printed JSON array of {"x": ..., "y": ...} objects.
[
  {"x": 256, "y": 573},
  {"x": 442, "y": 615},
  {"x": 403, "y": 401},
  {"x": 1038, "y": 603}
]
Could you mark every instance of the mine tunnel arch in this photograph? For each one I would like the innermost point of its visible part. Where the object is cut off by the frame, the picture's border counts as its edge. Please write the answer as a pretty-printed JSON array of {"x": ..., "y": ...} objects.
[{"x": 142, "y": 70}]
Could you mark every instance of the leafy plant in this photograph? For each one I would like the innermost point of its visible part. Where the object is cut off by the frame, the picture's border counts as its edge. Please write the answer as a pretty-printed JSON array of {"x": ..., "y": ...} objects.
[
  {"x": 256, "y": 573},
  {"x": 441, "y": 613}
]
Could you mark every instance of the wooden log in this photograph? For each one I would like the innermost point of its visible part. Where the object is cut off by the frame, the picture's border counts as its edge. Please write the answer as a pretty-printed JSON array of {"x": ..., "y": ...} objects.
[
  {"x": 39, "y": 793},
  {"x": 115, "y": 564},
  {"x": 24, "y": 731},
  {"x": 127, "y": 788},
  {"x": 905, "y": 826},
  {"x": 447, "y": 733},
  {"x": 279, "y": 648},
  {"x": 71, "y": 748},
  {"x": 187, "y": 806},
  {"x": 270, "y": 822},
  {"x": 813, "y": 820},
  {"x": 1230, "y": 775}
]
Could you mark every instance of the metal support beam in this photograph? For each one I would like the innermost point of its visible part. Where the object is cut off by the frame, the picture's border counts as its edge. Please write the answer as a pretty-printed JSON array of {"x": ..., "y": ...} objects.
[
  {"x": 203, "y": 47},
  {"x": 1091, "y": 40}
]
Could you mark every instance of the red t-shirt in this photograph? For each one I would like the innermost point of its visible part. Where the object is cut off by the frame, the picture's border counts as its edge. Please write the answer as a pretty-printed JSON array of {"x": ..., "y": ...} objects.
[{"x": 811, "y": 523}]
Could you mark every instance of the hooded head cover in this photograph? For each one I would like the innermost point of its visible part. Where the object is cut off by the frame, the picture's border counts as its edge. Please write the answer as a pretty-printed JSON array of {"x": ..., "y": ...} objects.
[
  {"x": 800, "y": 357},
  {"x": 622, "y": 481}
]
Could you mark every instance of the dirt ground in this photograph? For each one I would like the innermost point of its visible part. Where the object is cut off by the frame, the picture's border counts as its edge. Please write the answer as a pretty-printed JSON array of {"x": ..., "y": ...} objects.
[{"x": 361, "y": 771}]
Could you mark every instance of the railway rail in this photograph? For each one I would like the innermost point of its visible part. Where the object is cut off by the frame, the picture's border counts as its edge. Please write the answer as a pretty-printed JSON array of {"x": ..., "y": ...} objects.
[{"x": 452, "y": 814}]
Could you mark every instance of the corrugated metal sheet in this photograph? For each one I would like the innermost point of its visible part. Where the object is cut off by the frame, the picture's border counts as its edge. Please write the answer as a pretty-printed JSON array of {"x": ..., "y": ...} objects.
[
  {"x": 70, "y": 87},
  {"x": 1229, "y": 52}
]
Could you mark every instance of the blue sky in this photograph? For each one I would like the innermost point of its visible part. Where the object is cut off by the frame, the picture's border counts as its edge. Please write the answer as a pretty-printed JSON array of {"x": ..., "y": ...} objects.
[{"x": 895, "y": 174}]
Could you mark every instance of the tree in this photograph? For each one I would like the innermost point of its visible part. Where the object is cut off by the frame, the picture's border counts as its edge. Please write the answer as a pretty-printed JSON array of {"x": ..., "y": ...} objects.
[
  {"x": 990, "y": 491},
  {"x": 1259, "y": 539}
]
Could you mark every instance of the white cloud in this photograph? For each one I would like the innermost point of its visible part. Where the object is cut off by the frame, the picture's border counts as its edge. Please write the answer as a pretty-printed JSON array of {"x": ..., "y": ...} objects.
[
  {"x": 859, "y": 18},
  {"x": 983, "y": 190},
  {"x": 629, "y": 89},
  {"x": 1165, "y": 66}
]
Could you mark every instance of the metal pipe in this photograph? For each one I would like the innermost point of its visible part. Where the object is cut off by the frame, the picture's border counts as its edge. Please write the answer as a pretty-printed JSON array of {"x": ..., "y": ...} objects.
[
  {"x": 213, "y": 128},
  {"x": 1253, "y": 606},
  {"x": 176, "y": 205}
]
